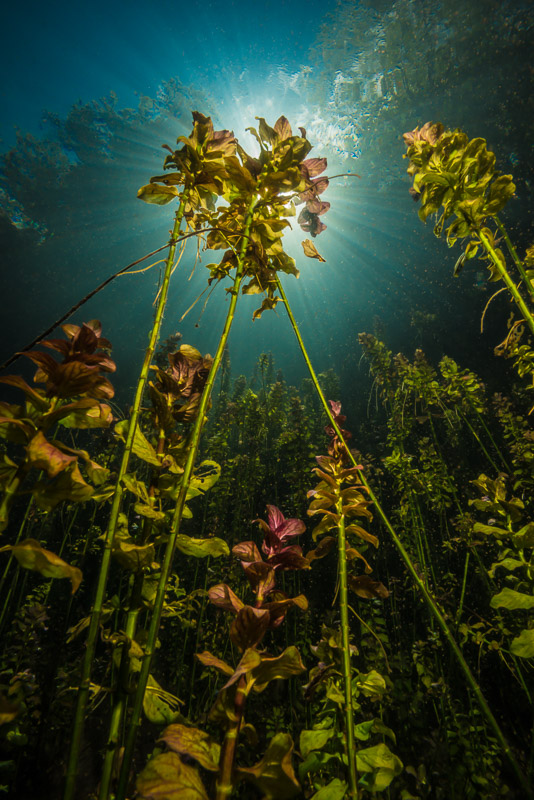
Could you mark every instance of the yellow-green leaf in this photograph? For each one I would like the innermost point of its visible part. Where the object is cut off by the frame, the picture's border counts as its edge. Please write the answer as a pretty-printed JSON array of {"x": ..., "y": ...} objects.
[
  {"x": 166, "y": 777},
  {"x": 523, "y": 645},
  {"x": 200, "y": 548},
  {"x": 31, "y": 555}
]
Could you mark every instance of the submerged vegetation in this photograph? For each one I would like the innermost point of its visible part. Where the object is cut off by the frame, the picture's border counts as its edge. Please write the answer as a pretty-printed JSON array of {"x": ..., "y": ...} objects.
[{"x": 176, "y": 665}]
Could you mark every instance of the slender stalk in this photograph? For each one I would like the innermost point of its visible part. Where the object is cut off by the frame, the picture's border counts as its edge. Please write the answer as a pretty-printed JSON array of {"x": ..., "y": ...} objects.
[
  {"x": 96, "y": 611},
  {"x": 419, "y": 582},
  {"x": 515, "y": 257},
  {"x": 512, "y": 288},
  {"x": 347, "y": 682},
  {"x": 177, "y": 517},
  {"x": 225, "y": 783}
]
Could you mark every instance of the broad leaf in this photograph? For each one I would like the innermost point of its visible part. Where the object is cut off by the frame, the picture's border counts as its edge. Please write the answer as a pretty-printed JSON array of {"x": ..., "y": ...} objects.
[
  {"x": 311, "y": 251},
  {"x": 157, "y": 194},
  {"x": 42, "y": 454},
  {"x": 523, "y": 645},
  {"x": 166, "y": 777},
  {"x": 371, "y": 684},
  {"x": 314, "y": 740},
  {"x": 140, "y": 445},
  {"x": 274, "y": 775},
  {"x": 210, "y": 660},
  {"x": 249, "y": 627},
  {"x": 194, "y": 743},
  {"x": 285, "y": 665},
  {"x": 200, "y": 548},
  {"x": 382, "y": 763},
  {"x": 249, "y": 660},
  {"x": 160, "y": 707},
  {"x": 335, "y": 790},
  {"x": 509, "y": 598},
  {"x": 223, "y": 597},
  {"x": 364, "y": 586},
  {"x": 31, "y": 555}
]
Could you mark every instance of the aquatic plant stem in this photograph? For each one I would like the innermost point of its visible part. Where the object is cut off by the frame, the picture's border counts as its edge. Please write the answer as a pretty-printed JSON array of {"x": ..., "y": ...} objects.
[
  {"x": 512, "y": 288},
  {"x": 177, "y": 516},
  {"x": 419, "y": 582},
  {"x": 345, "y": 641},
  {"x": 225, "y": 784},
  {"x": 517, "y": 261},
  {"x": 96, "y": 611}
]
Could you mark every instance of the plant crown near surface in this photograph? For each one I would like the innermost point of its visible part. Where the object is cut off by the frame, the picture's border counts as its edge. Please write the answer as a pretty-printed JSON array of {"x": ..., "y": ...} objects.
[
  {"x": 273, "y": 775},
  {"x": 212, "y": 164}
]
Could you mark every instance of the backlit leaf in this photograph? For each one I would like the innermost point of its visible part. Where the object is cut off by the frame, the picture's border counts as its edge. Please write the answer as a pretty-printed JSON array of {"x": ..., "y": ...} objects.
[
  {"x": 31, "y": 555},
  {"x": 167, "y": 777},
  {"x": 157, "y": 194},
  {"x": 311, "y": 251},
  {"x": 200, "y": 548}
]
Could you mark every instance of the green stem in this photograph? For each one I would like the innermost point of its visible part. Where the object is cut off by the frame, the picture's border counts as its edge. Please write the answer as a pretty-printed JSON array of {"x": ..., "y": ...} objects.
[
  {"x": 515, "y": 257},
  {"x": 512, "y": 288},
  {"x": 419, "y": 582},
  {"x": 345, "y": 641},
  {"x": 177, "y": 517},
  {"x": 96, "y": 611},
  {"x": 225, "y": 783}
]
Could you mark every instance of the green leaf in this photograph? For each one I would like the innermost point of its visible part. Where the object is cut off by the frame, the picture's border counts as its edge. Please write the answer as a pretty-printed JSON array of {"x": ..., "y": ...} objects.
[
  {"x": 31, "y": 555},
  {"x": 249, "y": 660},
  {"x": 274, "y": 774},
  {"x": 506, "y": 563},
  {"x": 166, "y": 777},
  {"x": 371, "y": 684},
  {"x": 157, "y": 194},
  {"x": 510, "y": 599},
  {"x": 382, "y": 762},
  {"x": 491, "y": 530},
  {"x": 335, "y": 790},
  {"x": 206, "y": 475},
  {"x": 136, "y": 487},
  {"x": 314, "y": 740},
  {"x": 200, "y": 548},
  {"x": 194, "y": 743},
  {"x": 523, "y": 645},
  {"x": 160, "y": 707},
  {"x": 140, "y": 446},
  {"x": 285, "y": 665}
]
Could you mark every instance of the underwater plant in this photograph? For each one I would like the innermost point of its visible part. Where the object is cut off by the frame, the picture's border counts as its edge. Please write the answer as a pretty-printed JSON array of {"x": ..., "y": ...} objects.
[
  {"x": 340, "y": 497},
  {"x": 454, "y": 176},
  {"x": 273, "y": 775}
]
